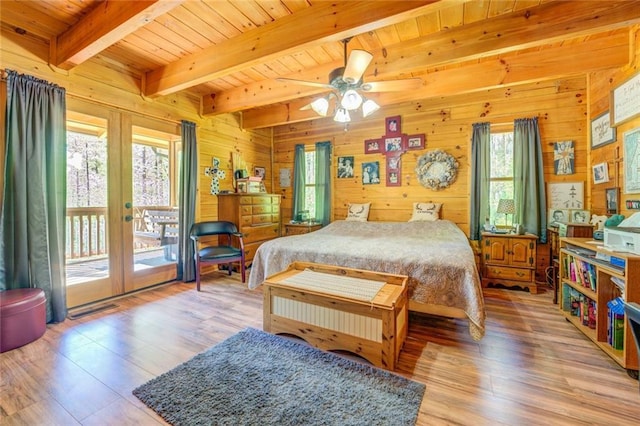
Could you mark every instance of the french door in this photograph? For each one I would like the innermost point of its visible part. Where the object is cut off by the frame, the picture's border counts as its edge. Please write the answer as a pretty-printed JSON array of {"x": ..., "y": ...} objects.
[{"x": 120, "y": 167}]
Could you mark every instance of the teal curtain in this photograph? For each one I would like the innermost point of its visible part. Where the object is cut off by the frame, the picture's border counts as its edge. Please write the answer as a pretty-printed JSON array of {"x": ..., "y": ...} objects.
[
  {"x": 34, "y": 203},
  {"x": 480, "y": 174},
  {"x": 323, "y": 182},
  {"x": 529, "y": 189},
  {"x": 298, "y": 180},
  {"x": 187, "y": 202}
]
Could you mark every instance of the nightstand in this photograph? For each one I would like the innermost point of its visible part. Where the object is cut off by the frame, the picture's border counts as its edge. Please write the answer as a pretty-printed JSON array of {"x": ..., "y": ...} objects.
[
  {"x": 509, "y": 260},
  {"x": 300, "y": 228}
]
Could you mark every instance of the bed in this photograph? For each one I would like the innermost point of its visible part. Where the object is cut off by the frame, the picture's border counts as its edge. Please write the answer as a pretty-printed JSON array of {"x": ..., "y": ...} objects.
[{"x": 436, "y": 256}]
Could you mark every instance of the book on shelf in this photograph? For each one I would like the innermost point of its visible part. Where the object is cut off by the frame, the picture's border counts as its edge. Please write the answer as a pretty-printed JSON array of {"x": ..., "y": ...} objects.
[{"x": 615, "y": 323}]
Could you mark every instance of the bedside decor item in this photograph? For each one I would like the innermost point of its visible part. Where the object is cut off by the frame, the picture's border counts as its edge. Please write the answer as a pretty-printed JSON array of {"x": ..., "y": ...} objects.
[
  {"x": 436, "y": 169},
  {"x": 507, "y": 207},
  {"x": 601, "y": 131}
]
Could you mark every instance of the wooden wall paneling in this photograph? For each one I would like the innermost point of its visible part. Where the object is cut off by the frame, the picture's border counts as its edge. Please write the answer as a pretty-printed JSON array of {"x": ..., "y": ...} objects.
[{"x": 600, "y": 86}]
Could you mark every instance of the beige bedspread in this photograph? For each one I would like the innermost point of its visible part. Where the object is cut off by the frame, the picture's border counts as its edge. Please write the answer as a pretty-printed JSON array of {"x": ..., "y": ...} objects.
[{"x": 436, "y": 256}]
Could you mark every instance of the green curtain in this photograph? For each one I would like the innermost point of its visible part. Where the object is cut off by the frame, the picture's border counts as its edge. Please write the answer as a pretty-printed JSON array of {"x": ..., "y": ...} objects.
[
  {"x": 480, "y": 174},
  {"x": 529, "y": 189},
  {"x": 187, "y": 202},
  {"x": 32, "y": 222},
  {"x": 323, "y": 182},
  {"x": 298, "y": 180}
]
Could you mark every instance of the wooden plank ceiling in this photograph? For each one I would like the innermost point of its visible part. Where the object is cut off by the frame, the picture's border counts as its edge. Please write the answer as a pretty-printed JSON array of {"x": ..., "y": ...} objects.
[{"x": 230, "y": 52}]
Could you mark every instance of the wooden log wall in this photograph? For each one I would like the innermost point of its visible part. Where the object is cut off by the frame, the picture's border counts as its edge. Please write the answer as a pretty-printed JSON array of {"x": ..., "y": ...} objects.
[
  {"x": 101, "y": 84},
  {"x": 600, "y": 86},
  {"x": 560, "y": 106}
]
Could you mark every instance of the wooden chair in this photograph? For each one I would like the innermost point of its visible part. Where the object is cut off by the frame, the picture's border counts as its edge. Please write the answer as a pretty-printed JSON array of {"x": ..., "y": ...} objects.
[{"x": 222, "y": 253}]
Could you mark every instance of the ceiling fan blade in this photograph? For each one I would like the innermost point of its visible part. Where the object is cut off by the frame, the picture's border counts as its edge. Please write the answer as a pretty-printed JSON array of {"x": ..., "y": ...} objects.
[
  {"x": 392, "y": 85},
  {"x": 358, "y": 62},
  {"x": 304, "y": 82}
]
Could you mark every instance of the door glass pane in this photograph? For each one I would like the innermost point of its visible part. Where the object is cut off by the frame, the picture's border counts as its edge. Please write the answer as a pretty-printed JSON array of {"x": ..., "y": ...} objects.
[
  {"x": 87, "y": 189},
  {"x": 155, "y": 230}
]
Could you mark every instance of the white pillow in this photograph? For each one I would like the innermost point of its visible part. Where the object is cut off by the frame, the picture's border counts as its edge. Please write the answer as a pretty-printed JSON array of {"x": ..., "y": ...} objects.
[
  {"x": 358, "y": 212},
  {"x": 426, "y": 212}
]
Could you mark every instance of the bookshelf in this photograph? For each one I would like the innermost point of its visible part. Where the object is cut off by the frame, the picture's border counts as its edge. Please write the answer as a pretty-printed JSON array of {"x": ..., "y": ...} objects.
[{"x": 589, "y": 281}]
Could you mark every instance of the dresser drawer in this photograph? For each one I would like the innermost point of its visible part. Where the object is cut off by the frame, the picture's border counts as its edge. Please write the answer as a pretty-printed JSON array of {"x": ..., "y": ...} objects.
[
  {"x": 261, "y": 219},
  {"x": 504, "y": 273},
  {"x": 252, "y": 234},
  {"x": 261, "y": 209},
  {"x": 246, "y": 210},
  {"x": 262, "y": 199}
]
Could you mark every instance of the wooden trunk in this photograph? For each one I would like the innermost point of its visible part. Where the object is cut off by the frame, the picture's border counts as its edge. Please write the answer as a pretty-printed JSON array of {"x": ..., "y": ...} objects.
[{"x": 374, "y": 330}]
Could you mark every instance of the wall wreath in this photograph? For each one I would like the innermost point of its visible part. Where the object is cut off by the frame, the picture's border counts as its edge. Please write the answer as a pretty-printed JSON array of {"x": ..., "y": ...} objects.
[{"x": 436, "y": 169}]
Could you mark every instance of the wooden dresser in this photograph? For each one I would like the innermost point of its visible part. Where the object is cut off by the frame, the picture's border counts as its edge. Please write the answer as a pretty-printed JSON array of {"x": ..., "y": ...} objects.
[
  {"x": 257, "y": 217},
  {"x": 509, "y": 260},
  {"x": 301, "y": 228}
]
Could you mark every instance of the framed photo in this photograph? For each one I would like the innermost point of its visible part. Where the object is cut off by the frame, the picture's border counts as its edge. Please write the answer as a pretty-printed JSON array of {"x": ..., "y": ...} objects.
[
  {"x": 260, "y": 172},
  {"x": 370, "y": 173},
  {"x": 415, "y": 142},
  {"x": 394, "y": 170},
  {"x": 557, "y": 216},
  {"x": 631, "y": 161},
  {"x": 624, "y": 101},
  {"x": 371, "y": 146},
  {"x": 345, "y": 167},
  {"x": 601, "y": 131},
  {"x": 393, "y": 178},
  {"x": 393, "y": 144},
  {"x": 612, "y": 195},
  {"x": 392, "y": 126},
  {"x": 600, "y": 173},
  {"x": 566, "y": 195},
  {"x": 579, "y": 216},
  {"x": 563, "y": 158}
]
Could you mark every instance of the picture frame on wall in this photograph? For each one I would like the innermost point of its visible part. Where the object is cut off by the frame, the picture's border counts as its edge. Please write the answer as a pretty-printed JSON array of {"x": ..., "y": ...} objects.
[
  {"x": 372, "y": 146},
  {"x": 601, "y": 131},
  {"x": 392, "y": 126},
  {"x": 393, "y": 144},
  {"x": 415, "y": 141},
  {"x": 565, "y": 195},
  {"x": 260, "y": 172},
  {"x": 624, "y": 100},
  {"x": 557, "y": 216},
  {"x": 579, "y": 216},
  {"x": 563, "y": 158},
  {"x": 371, "y": 173},
  {"x": 394, "y": 167},
  {"x": 631, "y": 141},
  {"x": 612, "y": 195},
  {"x": 600, "y": 173}
]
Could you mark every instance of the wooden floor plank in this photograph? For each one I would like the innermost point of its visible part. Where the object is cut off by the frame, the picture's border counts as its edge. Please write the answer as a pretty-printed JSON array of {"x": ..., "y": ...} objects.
[{"x": 532, "y": 366}]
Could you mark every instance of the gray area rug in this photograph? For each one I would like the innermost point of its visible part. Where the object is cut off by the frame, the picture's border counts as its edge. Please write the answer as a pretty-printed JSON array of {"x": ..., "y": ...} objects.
[{"x": 255, "y": 378}]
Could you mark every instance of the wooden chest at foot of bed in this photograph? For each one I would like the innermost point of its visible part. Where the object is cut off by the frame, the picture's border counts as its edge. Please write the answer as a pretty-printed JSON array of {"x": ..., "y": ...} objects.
[{"x": 334, "y": 308}]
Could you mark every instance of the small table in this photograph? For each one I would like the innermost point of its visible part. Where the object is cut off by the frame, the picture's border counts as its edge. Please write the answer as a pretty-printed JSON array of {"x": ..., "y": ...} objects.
[
  {"x": 301, "y": 228},
  {"x": 328, "y": 319}
]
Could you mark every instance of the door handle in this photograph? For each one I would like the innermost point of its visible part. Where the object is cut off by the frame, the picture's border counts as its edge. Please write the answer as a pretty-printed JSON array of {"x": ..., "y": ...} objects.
[{"x": 128, "y": 218}]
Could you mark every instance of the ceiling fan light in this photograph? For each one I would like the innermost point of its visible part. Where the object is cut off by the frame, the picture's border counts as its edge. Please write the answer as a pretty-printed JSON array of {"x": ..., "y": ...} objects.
[
  {"x": 320, "y": 106},
  {"x": 369, "y": 107},
  {"x": 342, "y": 116},
  {"x": 351, "y": 100}
]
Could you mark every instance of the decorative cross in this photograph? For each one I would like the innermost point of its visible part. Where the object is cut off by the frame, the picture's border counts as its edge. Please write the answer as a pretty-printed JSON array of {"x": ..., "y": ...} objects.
[{"x": 392, "y": 145}]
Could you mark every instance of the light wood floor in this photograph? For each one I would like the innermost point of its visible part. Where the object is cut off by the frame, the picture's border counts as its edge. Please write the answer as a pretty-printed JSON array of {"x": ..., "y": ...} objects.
[{"x": 531, "y": 368}]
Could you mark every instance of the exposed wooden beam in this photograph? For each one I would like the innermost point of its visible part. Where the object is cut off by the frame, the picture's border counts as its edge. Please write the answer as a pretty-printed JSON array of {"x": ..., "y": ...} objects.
[
  {"x": 499, "y": 72},
  {"x": 548, "y": 23},
  {"x": 321, "y": 23},
  {"x": 109, "y": 22}
]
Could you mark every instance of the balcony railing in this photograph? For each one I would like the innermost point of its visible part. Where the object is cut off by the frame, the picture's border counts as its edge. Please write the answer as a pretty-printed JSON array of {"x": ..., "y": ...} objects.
[{"x": 87, "y": 230}]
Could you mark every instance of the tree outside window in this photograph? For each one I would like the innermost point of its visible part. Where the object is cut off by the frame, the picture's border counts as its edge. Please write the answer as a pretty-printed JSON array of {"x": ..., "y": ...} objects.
[{"x": 501, "y": 178}]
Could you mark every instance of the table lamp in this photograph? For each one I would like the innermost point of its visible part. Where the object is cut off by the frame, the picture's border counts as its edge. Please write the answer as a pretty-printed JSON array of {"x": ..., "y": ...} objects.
[{"x": 506, "y": 206}]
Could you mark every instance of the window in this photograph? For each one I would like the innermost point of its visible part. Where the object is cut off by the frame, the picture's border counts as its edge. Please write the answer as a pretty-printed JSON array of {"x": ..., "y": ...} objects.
[
  {"x": 501, "y": 177},
  {"x": 310, "y": 183}
]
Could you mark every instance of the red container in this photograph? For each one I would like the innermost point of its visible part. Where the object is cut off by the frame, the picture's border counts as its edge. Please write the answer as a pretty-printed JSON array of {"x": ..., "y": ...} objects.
[{"x": 23, "y": 317}]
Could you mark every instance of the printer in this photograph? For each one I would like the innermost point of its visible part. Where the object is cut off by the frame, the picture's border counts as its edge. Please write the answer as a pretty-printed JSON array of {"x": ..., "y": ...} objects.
[{"x": 622, "y": 239}]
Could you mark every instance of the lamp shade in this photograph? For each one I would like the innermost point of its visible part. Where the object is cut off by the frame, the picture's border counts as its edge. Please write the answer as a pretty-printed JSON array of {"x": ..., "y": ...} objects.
[
  {"x": 351, "y": 100},
  {"x": 342, "y": 116},
  {"x": 320, "y": 106},
  {"x": 369, "y": 107},
  {"x": 506, "y": 206}
]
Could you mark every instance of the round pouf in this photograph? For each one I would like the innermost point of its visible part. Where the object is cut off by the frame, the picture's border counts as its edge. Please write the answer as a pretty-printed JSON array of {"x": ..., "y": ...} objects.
[{"x": 23, "y": 317}]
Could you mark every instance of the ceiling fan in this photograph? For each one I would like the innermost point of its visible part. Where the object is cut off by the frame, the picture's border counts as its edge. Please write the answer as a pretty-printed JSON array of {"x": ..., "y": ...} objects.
[{"x": 346, "y": 85}]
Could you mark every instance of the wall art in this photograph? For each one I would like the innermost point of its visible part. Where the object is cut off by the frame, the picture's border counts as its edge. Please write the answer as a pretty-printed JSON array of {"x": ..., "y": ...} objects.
[
  {"x": 624, "y": 101},
  {"x": 601, "y": 131}
]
